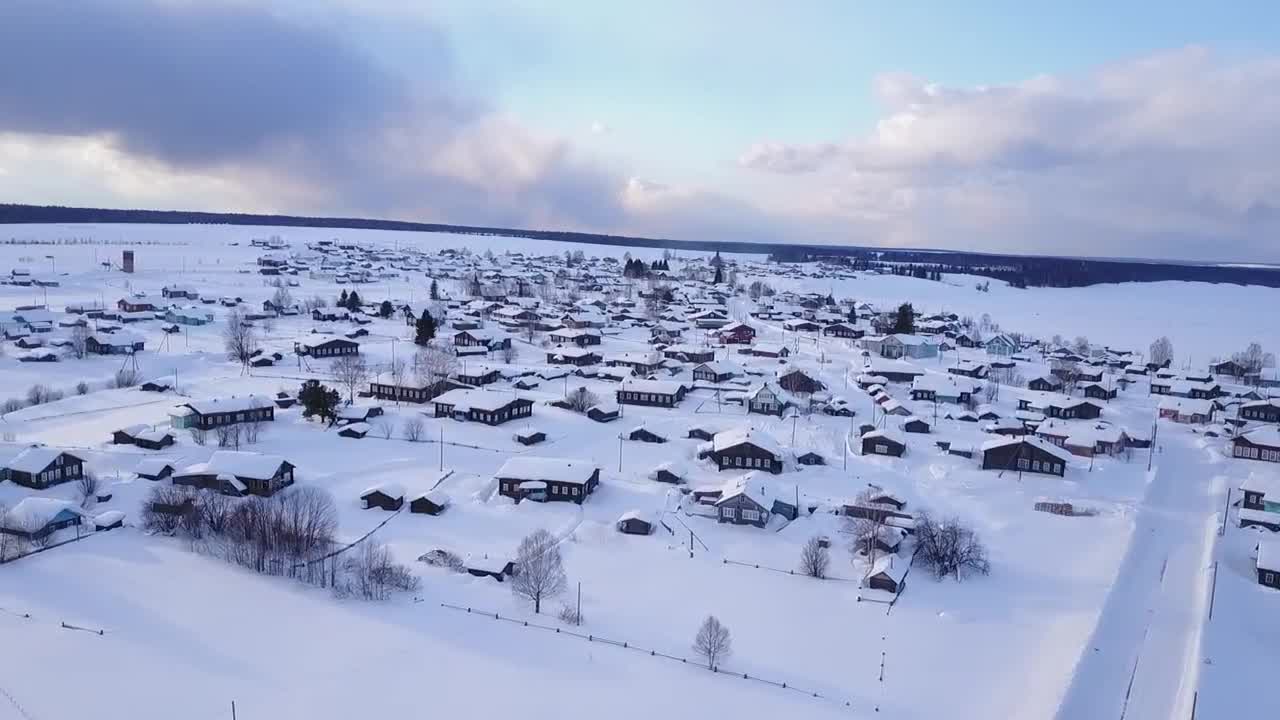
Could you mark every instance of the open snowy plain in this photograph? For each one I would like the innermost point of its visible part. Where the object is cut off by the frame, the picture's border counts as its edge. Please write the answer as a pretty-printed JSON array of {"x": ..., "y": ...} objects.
[{"x": 1083, "y": 617}]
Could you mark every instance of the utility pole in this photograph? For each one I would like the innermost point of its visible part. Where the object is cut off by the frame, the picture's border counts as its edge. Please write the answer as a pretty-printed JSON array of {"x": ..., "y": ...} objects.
[
  {"x": 619, "y": 453},
  {"x": 578, "y": 615},
  {"x": 442, "y": 448}
]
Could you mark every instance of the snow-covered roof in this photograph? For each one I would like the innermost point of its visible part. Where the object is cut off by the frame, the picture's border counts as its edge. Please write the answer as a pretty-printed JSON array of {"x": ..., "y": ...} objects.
[
  {"x": 32, "y": 459},
  {"x": 153, "y": 465},
  {"x": 658, "y": 387},
  {"x": 541, "y": 468},
  {"x": 1269, "y": 555},
  {"x": 729, "y": 438},
  {"x": 237, "y": 463},
  {"x": 33, "y": 513},
  {"x": 436, "y": 497},
  {"x": 885, "y": 564},
  {"x": 1031, "y": 440},
  {"x": 1194, "y": 406},
  {"x": 944, "y": 384},
  {"x": 1262, "y": 482},
  {"x": 482, "y": 400},
  {"x": 886, "y": 434},
  {"x": 231, "y": 404},
  {"x": 1266, "y": 435},
  {"x": 110, "y": 517},
  {"x": 390, "y": 489}
]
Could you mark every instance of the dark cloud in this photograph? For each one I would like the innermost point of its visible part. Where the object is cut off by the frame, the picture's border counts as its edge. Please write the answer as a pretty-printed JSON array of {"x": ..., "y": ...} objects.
[{"x": 190, "y": 84}]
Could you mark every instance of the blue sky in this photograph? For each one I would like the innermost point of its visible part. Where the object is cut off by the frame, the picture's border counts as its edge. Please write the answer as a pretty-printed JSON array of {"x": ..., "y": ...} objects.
[{"x": 1136, "y": 128}]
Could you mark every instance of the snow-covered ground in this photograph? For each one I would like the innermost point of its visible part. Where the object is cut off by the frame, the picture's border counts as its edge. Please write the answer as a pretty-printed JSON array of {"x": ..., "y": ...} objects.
[{"x": 1079, "y": 617}]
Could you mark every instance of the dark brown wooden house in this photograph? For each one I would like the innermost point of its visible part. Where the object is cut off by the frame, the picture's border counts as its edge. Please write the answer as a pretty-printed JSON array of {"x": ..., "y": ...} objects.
[
  {"x": 547, "y": 479},
  {"x": 1025, "y": 454},
  {"x": 388, "y": 497}
]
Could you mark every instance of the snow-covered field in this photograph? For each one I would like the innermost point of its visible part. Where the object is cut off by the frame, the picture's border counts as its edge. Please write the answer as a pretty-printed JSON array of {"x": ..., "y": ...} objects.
[{"x": 1071, "y": 607}]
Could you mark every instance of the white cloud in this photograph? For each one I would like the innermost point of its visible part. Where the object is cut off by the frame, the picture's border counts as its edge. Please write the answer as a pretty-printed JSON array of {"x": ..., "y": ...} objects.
[
  {"x": 1168, "y": 155},
  {"x": 600, "y": 128}
]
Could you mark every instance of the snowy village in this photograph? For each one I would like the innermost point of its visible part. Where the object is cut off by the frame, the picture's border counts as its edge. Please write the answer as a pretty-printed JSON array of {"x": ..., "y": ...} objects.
[{"x": 431, "y": 474}]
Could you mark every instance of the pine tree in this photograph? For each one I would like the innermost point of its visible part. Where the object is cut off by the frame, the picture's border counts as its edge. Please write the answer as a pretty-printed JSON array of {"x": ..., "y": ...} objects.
[
  {"x": 385, "y": 309},
  {"x": 354, "y": 302},
  {"x": 342, "y": 299},
  {"x": 905, "y": 321},
  {"x": 435, "y": 291},
  {"x": 425, "y": 329},
  {"x": 719, "y": 278},
  {"x": 318, "y": 400}
]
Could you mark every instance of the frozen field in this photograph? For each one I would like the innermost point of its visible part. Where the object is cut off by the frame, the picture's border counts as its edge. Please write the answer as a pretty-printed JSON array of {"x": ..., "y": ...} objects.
[{"x": 1071, "y": 606}]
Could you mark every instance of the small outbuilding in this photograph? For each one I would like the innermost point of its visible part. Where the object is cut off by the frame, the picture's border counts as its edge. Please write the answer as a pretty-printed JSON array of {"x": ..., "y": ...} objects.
[
  {"x": 388, "y": 496},
  {"x": 432, "y": 502},
  {"x": 633, "y": 522}
]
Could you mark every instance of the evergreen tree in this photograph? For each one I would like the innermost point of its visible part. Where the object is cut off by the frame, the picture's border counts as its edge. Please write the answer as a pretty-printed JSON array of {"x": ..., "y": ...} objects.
[
  {"x": 354, "y": 302},
  {"x": 385, "y": 309},
  {"x": 716, "y": 261},
  {"x": 318, "y": 400},
  {"x": 342, "y": 299},
  {"x": 435, "y": 290},
  {"x": 425, "y": 329},
  {"x": 905, "y": 321},
  {"x": 719, "y": 278}
]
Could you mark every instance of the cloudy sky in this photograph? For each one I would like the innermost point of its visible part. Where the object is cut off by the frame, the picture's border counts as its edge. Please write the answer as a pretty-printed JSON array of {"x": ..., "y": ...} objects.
[{"x": 1137, "y": 129}]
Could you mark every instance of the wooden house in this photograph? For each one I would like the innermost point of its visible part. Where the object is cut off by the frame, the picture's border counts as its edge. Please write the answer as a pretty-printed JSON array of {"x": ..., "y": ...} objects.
[
  {"x": 634, "y": 522},
  {"x": 604, "y": 412},
  {"x": 576, "y": 356},
  {"x": 653, "y": 393},
  {"x": 882, "y": 442},
  {"x": 1045, "y": 383},
  {"x": 388, "y": 496},
  {"x": 547, "y": 479},
  {"x": 415, "y": 392},
  {"x": 745, "y": 450},
  {"x": 328, "y": 347},
  {"x": 530, "y": 437},
  {"x": 432, "y": 502},
  {"x": 154, "y": 468},
  {"x": 842, "y": 330},
  {"x": 1261, "y": 443},
  {"x": 34, "y": 517},
  {"x": 484, "y": 406},
  {"x": 234, "y": 472},
  {"x": 142, "y": 436},
  {"x": 751, "y": 500},
  {"x": 737, "y": 334},
  {"x": 644, "y": 434},
  {"x": 1186, "y": 410},
  {"x": 1025, "y": 454},
  {"x": 216, "y": 412},
  {"x": 1098, "y": 391},
  {"x": 689, "y": 353},
  {"x": 38, "y": 466},
  {"x": 887, "y": 574},
  {"x": 1268, "y": 563},
  {"x": 716, "y": 372},
  {"x": 795, "y": 380},
  {"x": 1256, "y": 510},
  {"x": 1267, "y": 411},
  {"x": 579, "y": 337}
]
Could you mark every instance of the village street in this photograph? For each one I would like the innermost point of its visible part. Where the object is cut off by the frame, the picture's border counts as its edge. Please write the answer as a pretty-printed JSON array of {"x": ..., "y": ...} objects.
[{"x": 1142, "y": 662}]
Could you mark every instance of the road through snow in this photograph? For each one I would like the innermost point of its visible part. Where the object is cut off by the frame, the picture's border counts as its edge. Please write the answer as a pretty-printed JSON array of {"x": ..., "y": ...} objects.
[{"x": 1142, "y": 660}]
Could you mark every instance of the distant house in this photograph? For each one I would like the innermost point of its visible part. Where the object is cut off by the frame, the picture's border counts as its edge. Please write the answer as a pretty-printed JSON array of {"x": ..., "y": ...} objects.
[
  {"x": 1186, "y": 410},
  {"x": 413, "y": 392},
  {"x": 750, "y": 500},
  {"x": 689, "y": 353},
  {"x": 1098, "y": 391},
  {"x": 645, "y": 434},
  {"x": 580, "y": 337},
  {"x": 633, "y": 522},
  {"x": 1045, "y": 383},
  {"x": 902, "y": 346},
  {"x": 573, "y": 355},
  {"x": 1268, "y": 563},
  {"x": 942, "y": 388},
  {"x": 489, "y": 340},
  {"x": 1001, "y": 345},
  {"x": 640, "y": 363},
  {"x": 34, "y": 518},
  {"x": 915, "y": 424},
  {"x": 547, "y": 479},
  {"x": 328, "y": 347},
  {"x": 770, "y": 350},
  {"x": 484, "y": 406},
  {"x": 744, "y": 450},
  {"x": 119, "y": 343},
  {"x": 432, "y": 502},
  {"x": 716, "y": 372},
  {"x": 388, "y": 496},
  {"x": 883, "y": 442},
  {"x": 799, "y": 382},
  {"x": 38, "y": 466},
  {"x": 216, "y": 412},
  {"x": 842, "y": 330},
  {"x": 1262, "y": 443},
  {"x": 654, "y": 393},
  {"x": 604, "y": 412},
  {"x": 233, "y": 472},
  {"x": 888, "y": 574},
  {"x": 1256, "y": 510},
  {"x": 767, "y": 399},
  {"x": 530, "y": 437},
  {"x": 1267, "y": 411},
  {"x": 142, "y": 436},
  {"x": 355, "y": 431},
  {"x": 737, "y": 334},
  {"x": 154, "y": 468},
  {"x": 1025, "y": 454},
  {"x": 477, "y": 374}
]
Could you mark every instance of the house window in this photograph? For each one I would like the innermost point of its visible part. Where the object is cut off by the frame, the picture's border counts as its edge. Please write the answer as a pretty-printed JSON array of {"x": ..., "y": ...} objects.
[
  {"x": 1269, "y": 578},
  {"x": 1057, "y": 467},
  {"x": 1023, "y": 463},
  {"x": 729, "y": 513},
  {"x": 751, "y": 515},
  {"x": 575, "y": 492},
  {"x": 882, "y": 449},
  {"x": 1035, "y": 465}
]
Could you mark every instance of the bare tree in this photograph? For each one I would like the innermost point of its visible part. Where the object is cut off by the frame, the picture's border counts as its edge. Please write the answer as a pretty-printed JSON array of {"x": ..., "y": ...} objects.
[
  {"x": 40, "y": 394},
  {"x": 350, "y": 371},
  {"x": 82, "y": 388},
  {"x": 949, "y": 547},
  {"x": 539, "y": 569},
  {"x": 87, "y": 488},
  {"x": 78, "y": 341},
  {"x": 814, "y": 558},
  {"x": 1080, "y": 345},
  {"x": 199, "y": 436},
  {"x": 252, "y": 430},
  {"x": 509, "y": 354},
  {"x": 238, "y": 338},
  {"x": 581, "y": 399},
  {"x": 713, "y": 642},
  {"x": 382, "y": 429},
  {"x": 228, "y": 436},
  {"x": 1162, "y": 351},
  {"x": 413, "y": 429},
  {"x": 281, "y": 298},
  {"x": 398, "y": 369},
  {"x": 126, "y": 378},
  {"x": 433, "y": 364}
]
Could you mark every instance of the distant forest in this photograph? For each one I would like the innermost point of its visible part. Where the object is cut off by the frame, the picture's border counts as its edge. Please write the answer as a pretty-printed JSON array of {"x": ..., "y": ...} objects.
[{"x": 1018, "y": 270}]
